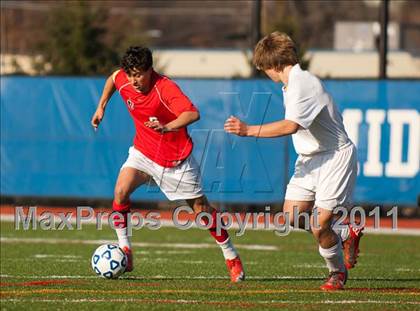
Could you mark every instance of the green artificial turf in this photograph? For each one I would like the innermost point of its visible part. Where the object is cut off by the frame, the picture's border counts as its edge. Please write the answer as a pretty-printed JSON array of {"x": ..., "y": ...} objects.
[{"x": 178, "y": 269}]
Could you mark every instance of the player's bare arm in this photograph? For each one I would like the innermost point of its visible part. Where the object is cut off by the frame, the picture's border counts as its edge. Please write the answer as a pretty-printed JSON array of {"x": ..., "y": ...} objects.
[
  {"x": 275, "y": 129},
  {"x": 107, "y": 93},
  {"x": 184, "y": 119}
]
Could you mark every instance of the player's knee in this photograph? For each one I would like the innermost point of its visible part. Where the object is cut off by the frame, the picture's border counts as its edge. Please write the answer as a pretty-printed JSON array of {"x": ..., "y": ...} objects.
[
  {"x": 317, "y": 233},
  {"x": 289, "y": 219},
  {"x": 321, "y": 233},
  {"x": 289, "y": 215},
  {"x": 200, "y": 205},
  {"x": 121, "y": 195},
  {"x": 297, "y": 220}
]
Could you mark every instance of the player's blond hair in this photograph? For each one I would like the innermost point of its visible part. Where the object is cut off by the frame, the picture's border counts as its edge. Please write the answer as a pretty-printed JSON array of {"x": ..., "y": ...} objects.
[{"x": 275, "y": 51}]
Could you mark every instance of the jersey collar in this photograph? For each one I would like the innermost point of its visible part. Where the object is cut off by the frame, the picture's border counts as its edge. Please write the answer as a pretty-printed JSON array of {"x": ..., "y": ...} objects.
[{"x": 295, "y": 70}]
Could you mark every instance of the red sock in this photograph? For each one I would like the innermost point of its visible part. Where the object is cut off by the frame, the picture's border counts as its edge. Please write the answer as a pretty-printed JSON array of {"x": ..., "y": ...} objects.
[
  {"x": 123, "y": 209},
  {"x": 224, "y": 235}
]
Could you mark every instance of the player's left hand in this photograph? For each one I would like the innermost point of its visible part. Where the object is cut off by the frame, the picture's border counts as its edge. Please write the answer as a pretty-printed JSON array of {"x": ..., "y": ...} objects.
[
  {"x": 156, "y": 125},
  {"x": 235, "y": 126}
]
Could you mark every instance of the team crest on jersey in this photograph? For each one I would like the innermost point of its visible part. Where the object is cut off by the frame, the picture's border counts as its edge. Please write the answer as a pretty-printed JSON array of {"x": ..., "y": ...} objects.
[{"x": 130, "y": 104}]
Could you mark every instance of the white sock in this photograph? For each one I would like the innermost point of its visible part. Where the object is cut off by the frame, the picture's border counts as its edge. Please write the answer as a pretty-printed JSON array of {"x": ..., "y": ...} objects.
[
  {"x": 333, "y": 257},
  {"x": 123, "y": 239},
  {"x": 229, "y": 251},
  {"x": 342, "y": 232}
]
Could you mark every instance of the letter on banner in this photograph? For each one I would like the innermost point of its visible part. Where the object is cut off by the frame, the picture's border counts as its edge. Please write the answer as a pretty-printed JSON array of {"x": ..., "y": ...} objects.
[{"x": 396, "y": 167}]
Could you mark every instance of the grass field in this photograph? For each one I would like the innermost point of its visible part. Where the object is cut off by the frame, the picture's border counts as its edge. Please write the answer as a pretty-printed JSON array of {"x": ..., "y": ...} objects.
[{"x": 177, "y": 269}]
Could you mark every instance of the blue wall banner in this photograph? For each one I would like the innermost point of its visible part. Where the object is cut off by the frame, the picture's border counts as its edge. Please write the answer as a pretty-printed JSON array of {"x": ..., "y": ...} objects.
[{"x": 48, "y": 147}]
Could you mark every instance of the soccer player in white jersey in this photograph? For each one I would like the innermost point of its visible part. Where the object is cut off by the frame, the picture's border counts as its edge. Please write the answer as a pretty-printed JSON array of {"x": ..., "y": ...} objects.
[{"x": 326, "y": 168}]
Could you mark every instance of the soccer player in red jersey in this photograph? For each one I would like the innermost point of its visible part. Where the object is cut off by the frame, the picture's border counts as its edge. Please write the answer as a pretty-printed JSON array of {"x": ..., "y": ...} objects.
[{"x": 162, "y": 147}]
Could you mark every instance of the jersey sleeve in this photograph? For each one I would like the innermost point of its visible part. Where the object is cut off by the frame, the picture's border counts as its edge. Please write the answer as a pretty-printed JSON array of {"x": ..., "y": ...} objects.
[
  {"x": 304, "y": 106},
  {"x": 114, "y": 74},
  {"x": 175, "y": 100},
  {"x": 117, "y": 78}
]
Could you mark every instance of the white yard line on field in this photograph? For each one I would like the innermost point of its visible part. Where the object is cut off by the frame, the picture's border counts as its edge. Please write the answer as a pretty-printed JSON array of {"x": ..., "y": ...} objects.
[
  {"x": 309, "y": 266},
  {"x": 389, "y": 231},
  {"x": 50, "y": 260},
  {"x": 137, "y": 244},
  {"x": 191, "y": 301},
  {"x": 56, "y": 256},
  {"x": 161, "y": 252}
]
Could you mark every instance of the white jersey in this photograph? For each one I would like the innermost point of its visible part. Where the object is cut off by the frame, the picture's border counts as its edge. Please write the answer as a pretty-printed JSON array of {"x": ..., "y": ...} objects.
[{"x": 308, "y": 104}]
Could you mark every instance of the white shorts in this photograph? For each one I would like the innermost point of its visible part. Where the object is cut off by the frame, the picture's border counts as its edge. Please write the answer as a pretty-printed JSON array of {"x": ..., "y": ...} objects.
[
  {"x": 327, "y": 178},
  {"x": 177, "y": 183}
]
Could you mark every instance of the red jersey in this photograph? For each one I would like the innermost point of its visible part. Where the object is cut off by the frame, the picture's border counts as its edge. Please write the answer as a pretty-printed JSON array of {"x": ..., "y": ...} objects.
[{"x": 166, "y": 102}]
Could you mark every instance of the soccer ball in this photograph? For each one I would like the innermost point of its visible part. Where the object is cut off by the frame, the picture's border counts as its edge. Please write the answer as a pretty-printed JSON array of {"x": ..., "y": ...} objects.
[{"x": 109, "y": 261}]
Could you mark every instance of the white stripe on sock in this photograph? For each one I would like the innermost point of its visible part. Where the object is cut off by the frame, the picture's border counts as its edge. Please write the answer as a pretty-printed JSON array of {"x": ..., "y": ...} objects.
[
  {"x": 123, "y": 239},
  {"x": 229, "y": 251}
]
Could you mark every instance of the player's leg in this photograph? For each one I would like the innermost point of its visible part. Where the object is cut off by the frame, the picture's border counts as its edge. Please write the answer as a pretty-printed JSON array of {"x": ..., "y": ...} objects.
[
  {"x": 128, "y": 180},
  {"x": 300, "y": 194},
  {"x": 337, "y": 181},
  {"x": 301, "y": 210},
  {"x": 233, "y": 261},
  {"x": 351, "y": 243},
  {"x": 350, "y": 237},
  {"x": 299, "y": 199},
  {"x": 183, "y": 183},
  {"x": 330, "y": 248}
]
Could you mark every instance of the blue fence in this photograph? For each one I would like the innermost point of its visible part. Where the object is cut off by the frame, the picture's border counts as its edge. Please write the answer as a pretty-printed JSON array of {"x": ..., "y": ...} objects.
[{"x": 48, "y": 147}]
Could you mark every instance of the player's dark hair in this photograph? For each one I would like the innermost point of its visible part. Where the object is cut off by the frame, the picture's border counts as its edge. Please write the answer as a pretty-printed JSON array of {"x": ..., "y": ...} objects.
[{"x": 137, "y": 57}]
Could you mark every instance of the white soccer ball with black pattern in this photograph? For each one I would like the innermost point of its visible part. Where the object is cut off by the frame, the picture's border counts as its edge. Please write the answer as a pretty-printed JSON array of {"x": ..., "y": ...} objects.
[{"x": 109, "y": 261}]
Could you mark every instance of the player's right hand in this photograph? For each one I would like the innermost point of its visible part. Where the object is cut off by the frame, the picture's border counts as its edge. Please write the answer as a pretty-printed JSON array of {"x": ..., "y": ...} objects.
[
  {"x": 235, "y": 126},
  {"x": 97, "y": 118}
]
